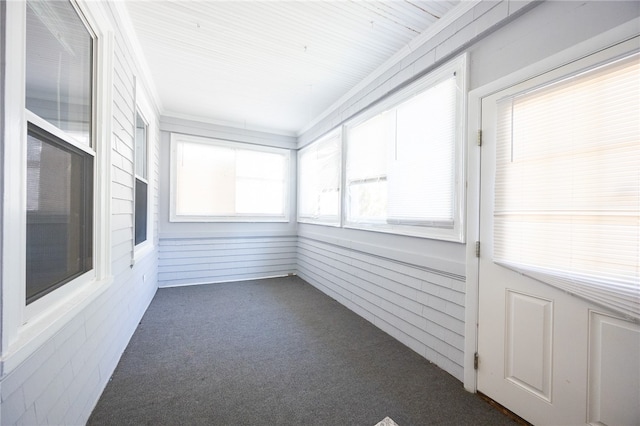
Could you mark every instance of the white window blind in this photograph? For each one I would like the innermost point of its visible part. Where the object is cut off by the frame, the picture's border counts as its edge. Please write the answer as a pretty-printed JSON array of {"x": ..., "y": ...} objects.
[
  {"x": 319, "y": 173},
  {"x": 567, "y": 195},
  {"x": 366, "y": 169},
  {"x": 401, "y": 164},
  {"x": 218, "y": 180},
  {"x": 421, "y": 175}
]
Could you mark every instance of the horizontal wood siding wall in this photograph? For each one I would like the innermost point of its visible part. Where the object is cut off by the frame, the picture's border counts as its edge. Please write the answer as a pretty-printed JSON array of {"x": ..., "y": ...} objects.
[
  {"x": 186, "y": 261},
  {"x": 61, "y": 381},
  {"x": 423, "y": 308}
]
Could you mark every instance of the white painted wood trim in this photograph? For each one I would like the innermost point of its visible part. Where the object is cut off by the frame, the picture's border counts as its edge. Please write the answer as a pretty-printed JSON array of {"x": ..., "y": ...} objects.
[
  {"x": 14, "y": 178},
  {"x": 473, "y": 230},
  {"x": 440, "y": 266}
]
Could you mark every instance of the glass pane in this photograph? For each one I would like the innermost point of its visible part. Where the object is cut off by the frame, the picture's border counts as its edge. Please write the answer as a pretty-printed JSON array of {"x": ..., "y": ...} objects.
[
  {"x": 260, "y": 165},
  {"x": 308, "y": 183},
  {"x": 59, "y": 209},
  {"x": 369, "y": 147},
  {"x": 368, "y": 201},
  {"x": 141, "y": 147},
  {"x": 567, "y": 183},
  {"x": 421, "y": 177},
  {"x": 141, "y": 212},
  {"x": 319, "y": 180},
  {"x": 58, "y": 67},
  {"x": 259, "y": 197},
  {"x": 205, "y": 180}
]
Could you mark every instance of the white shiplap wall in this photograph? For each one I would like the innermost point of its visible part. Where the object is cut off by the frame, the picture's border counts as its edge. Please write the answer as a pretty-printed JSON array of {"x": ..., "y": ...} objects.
[
  {"x": 421, "y": 307},
  {"x": 202, "y": 260},
  {"x": 60, "y": 382}
]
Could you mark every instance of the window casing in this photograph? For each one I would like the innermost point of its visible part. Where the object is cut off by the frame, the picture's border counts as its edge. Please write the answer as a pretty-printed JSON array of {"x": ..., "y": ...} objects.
[
  {"x": 319, "y": 180},
  {"x": 404, "y": 169},
  {"x": 220, "y": 181},
  {"x": 60, "y": 148}
]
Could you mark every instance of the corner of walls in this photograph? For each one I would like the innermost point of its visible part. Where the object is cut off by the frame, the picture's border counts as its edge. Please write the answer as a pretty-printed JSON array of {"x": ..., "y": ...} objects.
[{"x": 193, "y": 253}]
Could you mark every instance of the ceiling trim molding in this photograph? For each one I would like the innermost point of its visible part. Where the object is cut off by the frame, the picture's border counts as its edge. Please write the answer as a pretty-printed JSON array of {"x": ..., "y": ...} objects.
[{"x": 228, "y": 124}]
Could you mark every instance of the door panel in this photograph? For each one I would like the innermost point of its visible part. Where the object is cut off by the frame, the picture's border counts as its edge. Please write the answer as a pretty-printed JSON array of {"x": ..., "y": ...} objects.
[
  {"x": 528, "y": 342},
  {"x": 545, "y": 354},
  {"x": 614, "y": 391}
]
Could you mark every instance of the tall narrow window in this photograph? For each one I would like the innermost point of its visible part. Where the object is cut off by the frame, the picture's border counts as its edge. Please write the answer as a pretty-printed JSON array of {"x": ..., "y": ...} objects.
[
  {"x": 319, "y": 171},
  {"x": 60, "y": 155},
  {"x": 215, "y": 180},
  {"x": 141, "y": 181},
  {"x": 403, "y": 165},
  {"x": 567, "y": 207}
]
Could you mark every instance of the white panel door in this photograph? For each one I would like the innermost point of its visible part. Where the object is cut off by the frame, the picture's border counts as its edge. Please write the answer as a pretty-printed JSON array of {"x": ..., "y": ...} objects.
[{"x": 548, "y": 356}]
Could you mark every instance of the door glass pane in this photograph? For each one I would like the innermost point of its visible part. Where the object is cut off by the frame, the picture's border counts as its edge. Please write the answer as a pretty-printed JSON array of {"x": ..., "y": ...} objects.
[
  {"x": 567, "y": 197},
  {"x": 58, "y": 67}
]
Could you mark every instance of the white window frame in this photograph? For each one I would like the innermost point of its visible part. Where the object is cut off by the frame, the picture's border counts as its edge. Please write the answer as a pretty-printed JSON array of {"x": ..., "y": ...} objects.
[
  {"x": 328, "y": 220},
  {"x": 144, "y": 109},
  {"x": 177, "y": 138},
  {"x": 457, "y": 232},
  {"x": 26, "y": 327}
]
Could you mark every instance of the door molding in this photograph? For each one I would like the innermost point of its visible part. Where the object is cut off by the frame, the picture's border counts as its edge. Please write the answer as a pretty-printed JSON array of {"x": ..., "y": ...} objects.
[{"x": 581, "y": 50}]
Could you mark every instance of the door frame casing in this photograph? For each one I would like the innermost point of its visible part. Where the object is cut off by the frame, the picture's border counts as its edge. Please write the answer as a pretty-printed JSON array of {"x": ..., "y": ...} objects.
[{"x": 474, "y": 120}]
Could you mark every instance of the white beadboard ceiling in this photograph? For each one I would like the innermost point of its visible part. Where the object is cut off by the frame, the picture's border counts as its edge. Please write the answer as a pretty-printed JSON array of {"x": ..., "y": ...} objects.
[{"x": 271, "y": 65}]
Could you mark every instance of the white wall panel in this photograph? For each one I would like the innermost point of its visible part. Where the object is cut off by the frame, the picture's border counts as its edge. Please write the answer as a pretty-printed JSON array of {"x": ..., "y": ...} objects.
[{"x": 193, "y": 260}]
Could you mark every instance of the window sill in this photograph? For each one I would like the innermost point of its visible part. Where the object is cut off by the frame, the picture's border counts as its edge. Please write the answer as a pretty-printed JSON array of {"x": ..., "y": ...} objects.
[
  {"x": 42, "y": 327},
  {"x": 142, "y": 250},
  {"x": 230, "y": 219},
  {"x": 444, "y": 234},
  {"x": 328, "y": 222}
]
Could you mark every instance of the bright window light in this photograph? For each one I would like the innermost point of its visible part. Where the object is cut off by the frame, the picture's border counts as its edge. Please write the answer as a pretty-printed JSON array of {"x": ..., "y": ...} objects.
[
  {"x": 222, "y": 181},
  {"x": 319, "y": 174},
  {"x": 567, "y": 205},
  {"x": 404, "y": 160}
]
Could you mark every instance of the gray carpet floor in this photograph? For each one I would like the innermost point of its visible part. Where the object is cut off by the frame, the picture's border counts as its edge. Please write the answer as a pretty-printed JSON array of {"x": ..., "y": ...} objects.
[{"x": 275, "y": 352}]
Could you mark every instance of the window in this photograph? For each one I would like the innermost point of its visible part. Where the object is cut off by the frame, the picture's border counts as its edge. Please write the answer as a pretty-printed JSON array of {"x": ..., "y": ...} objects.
[
  {"x": 319, "y": 174},
  {"x": 59, "y": 212},
  {"x": 215, "y": 180},
  {"x": 141, "y": 181},
  {"x": 404, "y": 168},
  {"x": 60, "y": 152},
  {"x": 567, "y": 205}
]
